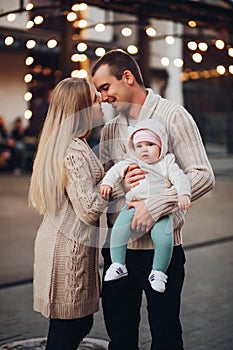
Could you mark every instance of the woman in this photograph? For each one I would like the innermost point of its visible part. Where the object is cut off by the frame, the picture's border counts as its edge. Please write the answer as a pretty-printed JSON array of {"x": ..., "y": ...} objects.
[{"x": 65, "y": 189}]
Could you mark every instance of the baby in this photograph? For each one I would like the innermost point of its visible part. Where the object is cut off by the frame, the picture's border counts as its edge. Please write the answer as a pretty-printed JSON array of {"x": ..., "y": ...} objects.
[{"x": 148, "y": 148}]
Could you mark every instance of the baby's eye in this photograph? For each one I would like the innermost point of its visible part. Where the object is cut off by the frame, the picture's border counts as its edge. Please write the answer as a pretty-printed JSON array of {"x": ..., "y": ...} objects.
[
  {"x": 151, "y": 144},
  {"x": 138, "y": 146}
]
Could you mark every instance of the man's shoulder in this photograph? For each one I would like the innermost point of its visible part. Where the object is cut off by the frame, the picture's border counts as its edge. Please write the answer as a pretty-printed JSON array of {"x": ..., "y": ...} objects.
[
  {"x": 155, "y": 99},
  {"x": 162, "y": 101},
  {"x": 167, "y": 109}
]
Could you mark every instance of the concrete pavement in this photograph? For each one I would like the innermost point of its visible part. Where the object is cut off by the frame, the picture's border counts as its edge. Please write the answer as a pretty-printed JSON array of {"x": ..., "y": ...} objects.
[{"x": 207, "y": 295}]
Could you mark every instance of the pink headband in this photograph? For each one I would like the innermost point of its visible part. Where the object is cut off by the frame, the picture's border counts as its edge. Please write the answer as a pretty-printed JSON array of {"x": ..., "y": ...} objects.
[{"x": 146, "y": 135}]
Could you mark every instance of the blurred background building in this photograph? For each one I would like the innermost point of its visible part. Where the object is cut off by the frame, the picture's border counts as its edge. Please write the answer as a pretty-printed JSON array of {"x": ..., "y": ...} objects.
[{"x": 184, "y": 48}]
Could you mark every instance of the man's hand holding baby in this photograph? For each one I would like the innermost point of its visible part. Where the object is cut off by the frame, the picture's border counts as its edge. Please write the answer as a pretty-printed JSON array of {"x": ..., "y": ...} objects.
[{"x": 133, "y": 176}]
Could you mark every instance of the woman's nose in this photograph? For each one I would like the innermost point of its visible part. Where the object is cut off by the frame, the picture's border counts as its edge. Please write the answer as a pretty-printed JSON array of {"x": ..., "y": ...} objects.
[
  {"x": 100, "y": 100},
  {"x": 104, "y": 97}
]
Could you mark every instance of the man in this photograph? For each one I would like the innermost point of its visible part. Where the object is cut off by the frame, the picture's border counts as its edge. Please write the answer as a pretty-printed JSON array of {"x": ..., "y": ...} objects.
[{"x": 117, "y": 77}]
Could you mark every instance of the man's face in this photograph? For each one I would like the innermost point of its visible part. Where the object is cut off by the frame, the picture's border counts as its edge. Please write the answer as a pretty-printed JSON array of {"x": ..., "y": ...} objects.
[{"x": 116, "y": 92}]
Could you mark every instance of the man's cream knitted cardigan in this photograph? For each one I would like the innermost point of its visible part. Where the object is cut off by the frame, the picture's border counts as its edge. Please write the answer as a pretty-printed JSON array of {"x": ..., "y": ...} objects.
[
  {"x": 183, "y": 140},
  {"x": 66, "y": 280}
]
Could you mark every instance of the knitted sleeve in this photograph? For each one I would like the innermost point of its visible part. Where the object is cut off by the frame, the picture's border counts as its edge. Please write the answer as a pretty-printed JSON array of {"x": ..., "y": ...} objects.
[
  {"x": 104, "y": 148},
  {"x": 82, "y": 189},
  {"x": 191, "y": 156},
  {"x": 177, "y": 177},
  {"x": 107, "y": 144},
  {"x": 116, "y": 173}
]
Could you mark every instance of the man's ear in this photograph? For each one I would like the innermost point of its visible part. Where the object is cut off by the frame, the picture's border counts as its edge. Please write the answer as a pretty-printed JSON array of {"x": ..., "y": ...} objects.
[{"x": 128, "y": 77}]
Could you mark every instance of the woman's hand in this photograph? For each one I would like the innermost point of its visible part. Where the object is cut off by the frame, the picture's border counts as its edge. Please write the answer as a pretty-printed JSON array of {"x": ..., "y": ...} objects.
[{"x": 133, "y": 176}]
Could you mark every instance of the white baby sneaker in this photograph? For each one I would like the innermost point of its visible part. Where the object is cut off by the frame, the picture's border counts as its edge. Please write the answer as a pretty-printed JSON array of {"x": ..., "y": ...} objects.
[
  {"x": 158, "y": 279},
  {"x": 115, "y": 271}
]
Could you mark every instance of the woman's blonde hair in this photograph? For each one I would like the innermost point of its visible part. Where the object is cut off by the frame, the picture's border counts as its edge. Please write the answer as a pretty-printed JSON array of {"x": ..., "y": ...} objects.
[{"x": 69, "y": 116}]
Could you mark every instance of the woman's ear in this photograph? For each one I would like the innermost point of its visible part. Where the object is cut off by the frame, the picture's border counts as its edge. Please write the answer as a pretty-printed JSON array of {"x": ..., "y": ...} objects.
[{"x": 128, "y": 77}]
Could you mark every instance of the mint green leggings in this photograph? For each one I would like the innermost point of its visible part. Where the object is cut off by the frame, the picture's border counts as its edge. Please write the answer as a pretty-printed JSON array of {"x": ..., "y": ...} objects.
[{"x": 161, "y": 234}]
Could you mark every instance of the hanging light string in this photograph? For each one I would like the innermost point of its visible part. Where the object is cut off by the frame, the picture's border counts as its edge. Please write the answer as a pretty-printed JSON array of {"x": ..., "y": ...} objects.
[{"x": 196, "y": 43}]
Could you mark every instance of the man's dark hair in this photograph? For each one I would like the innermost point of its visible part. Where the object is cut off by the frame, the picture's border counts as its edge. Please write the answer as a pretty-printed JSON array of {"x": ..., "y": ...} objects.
[{"x": 119, "y": 61}]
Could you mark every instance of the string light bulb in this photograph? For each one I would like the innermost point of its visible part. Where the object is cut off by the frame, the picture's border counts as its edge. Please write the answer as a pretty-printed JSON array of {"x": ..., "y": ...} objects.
[
  {"x": 83, "y": 6},
  {"x": 81, "y": 47},
  {"x": 30, "y": 24},
  {"x": 203, "y": 46},
  {"x": 132, "y": 49},
  {"x": 100, "y": 27},
  {"x": 192, "y": 24},
  {"x": 28, "y": 78},
  {"x": 29, "y": 60},
  {"x": 169, "y": 39},
  {"x": 100, "y": 51},
  {"x": 192, "y": 45},
  {"x": 52, "y": 43},
  {"x": 230, "y": 51},
  {"x": 178, "y": 62},
  {"x": 30, "y": 44},
  {"x": 9, "y": 40},
  {"x": 75, "y": 57},
  {"x": 82, "y": 23},
  {"x": 29, "y": 6},
  {"x": 38, "y": 20},
  {"x": 221, "y": 69},
  {"x": 28, "y": 114},
  {"x": 27, "y": 96},
  {"x": 71, "y": 16},
  {"x": 150, "y": 31},
  {"x": 126, "y": 31},
  {"x": 219, "y": 44},
  {"x": 82, "y": 73},
  {"x": 165, "y": 61},
  {"x": 197, "y": 57},
  {"x": 11, "y": 17}
]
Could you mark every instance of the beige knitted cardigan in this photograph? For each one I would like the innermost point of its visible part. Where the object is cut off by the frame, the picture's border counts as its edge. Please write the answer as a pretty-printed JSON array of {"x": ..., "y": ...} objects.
[
  {"x": 66, "y": 280},
  {"x": 183, "y": 140}
]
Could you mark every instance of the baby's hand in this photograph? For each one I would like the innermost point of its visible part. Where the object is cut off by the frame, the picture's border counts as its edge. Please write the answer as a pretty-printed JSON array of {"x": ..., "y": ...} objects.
[
  {"x": 184, "y": 202},
  {"x": 105, "y": 191}
]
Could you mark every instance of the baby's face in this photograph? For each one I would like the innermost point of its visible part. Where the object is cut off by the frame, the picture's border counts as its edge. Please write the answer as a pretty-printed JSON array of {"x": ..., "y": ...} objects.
[{"x": 147, "y": 151}]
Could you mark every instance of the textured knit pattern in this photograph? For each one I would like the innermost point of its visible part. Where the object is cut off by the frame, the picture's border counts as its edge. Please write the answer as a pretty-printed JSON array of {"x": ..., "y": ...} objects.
[
  {"x": 183, "y": 140},
  {"x": 66, "y": 280}
]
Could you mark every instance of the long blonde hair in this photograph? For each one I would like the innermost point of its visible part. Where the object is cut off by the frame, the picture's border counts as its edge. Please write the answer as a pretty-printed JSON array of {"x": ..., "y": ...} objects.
[{"x": 69, "y": 116}]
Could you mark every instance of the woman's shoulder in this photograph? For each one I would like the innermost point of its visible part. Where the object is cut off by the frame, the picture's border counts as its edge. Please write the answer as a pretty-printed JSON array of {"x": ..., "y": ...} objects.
[
  {"x": 77, "y": 144},
  {"x": 77, "y": 148}
]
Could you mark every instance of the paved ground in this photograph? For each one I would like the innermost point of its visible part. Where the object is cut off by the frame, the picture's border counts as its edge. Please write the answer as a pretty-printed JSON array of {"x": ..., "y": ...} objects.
[{"x": 207, "y": 296}]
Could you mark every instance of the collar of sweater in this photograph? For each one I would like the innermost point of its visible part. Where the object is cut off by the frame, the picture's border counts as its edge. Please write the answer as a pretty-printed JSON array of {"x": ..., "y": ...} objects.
[{"x": 148, "y": 108}]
